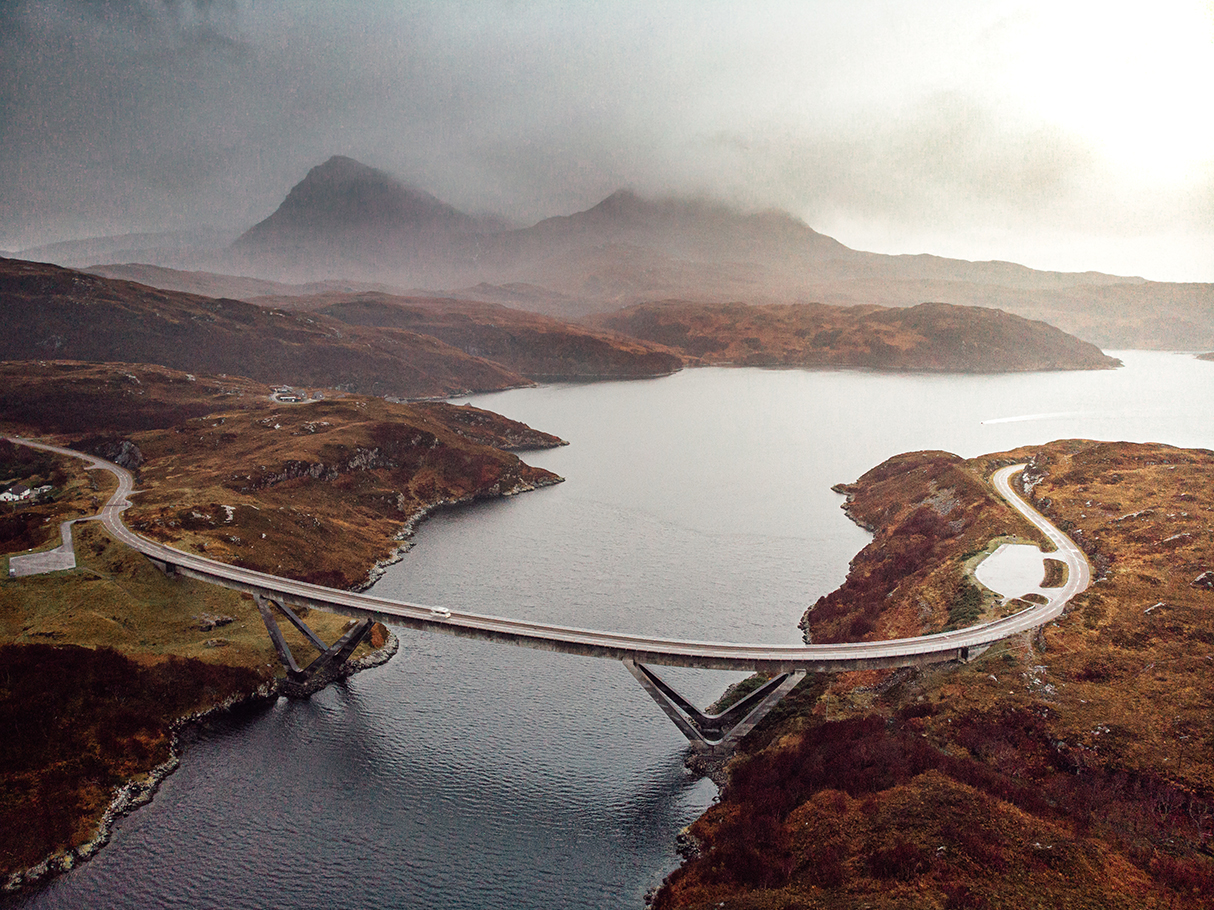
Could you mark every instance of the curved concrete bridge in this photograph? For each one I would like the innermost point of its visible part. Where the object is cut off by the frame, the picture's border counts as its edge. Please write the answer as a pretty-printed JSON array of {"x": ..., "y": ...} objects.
[{"x": 786, "y": 663}]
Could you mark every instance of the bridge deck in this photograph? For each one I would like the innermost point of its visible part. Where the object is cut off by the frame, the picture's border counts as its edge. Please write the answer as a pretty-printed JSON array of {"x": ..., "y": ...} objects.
[{"x": 763, "y": 658}]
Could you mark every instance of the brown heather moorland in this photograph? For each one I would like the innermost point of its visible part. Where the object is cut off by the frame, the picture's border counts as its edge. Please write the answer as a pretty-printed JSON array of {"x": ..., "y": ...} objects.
[
  {"x": 54, "y": 312},
  {"x": 934, "y": 337},
  {"x": 538, "y": 347},
  {"x": 317, "y": 490},
  {"x": 373, "y": 344},
  {"x": 1069, "y": 768}
]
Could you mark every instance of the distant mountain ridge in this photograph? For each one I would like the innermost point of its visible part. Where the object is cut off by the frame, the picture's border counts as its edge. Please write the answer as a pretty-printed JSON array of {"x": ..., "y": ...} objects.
[
  {"x": 166, "y": 246},
  {"x": 414, "y": 347},
  {"x": 210, "y": 284},
  {"x": 624, "y": 246},
  {"x": 687, "y": 228},
  {"x": 364, "y": 229}
]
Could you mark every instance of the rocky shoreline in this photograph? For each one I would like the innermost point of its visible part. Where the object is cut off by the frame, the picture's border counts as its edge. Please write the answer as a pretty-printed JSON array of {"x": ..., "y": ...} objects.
[
  {"x": 135, "y": 793},
  {"x": 408, "y": 529}
]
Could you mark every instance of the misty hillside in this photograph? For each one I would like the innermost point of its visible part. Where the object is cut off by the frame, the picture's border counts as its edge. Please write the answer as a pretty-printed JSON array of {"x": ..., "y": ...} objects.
[
  {"x": 169, "y": 247},
  {"x": 362, "y": 228},
  {"x": 373, "y": 344},
  {"x": 212, "y": 284},
  {"x": 694, "y": 230},
  {"x": 347, "y": 220},
  {"x": 56, "y": 313},
  {"x": 343, "y": 196},
  {"x": 533, "y": 345}
]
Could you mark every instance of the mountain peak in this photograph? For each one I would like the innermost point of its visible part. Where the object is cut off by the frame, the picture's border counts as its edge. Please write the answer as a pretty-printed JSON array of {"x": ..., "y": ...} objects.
[
  {"x": 341, "y": 165},
  {"x": 694, "y": 228},
  {"x": 624, "y": 205},
  {"x": 627, "y": 204},
  {"x": 621, "y": 201},
  {"x": 344, "y": 196}
]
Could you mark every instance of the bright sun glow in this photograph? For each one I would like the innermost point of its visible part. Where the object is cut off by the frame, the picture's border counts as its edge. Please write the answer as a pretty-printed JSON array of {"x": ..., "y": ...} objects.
[{"x": 1135, "y": 79}]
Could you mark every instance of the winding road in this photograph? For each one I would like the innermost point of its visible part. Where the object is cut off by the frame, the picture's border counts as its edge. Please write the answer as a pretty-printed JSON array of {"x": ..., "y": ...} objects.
[{"x": 771, "y": 659}]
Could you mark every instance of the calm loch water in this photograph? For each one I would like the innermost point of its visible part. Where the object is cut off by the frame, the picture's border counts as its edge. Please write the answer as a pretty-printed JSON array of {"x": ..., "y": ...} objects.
[{"x": 469, "y": 775}]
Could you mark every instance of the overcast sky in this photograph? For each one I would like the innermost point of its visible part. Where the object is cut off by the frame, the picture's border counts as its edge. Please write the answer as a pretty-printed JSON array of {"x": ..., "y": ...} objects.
[{"x": 1059, "y": 134}]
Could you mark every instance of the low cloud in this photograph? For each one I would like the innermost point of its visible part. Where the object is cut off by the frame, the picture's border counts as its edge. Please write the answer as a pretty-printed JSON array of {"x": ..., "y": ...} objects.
[{"x": 150, "y": 114}]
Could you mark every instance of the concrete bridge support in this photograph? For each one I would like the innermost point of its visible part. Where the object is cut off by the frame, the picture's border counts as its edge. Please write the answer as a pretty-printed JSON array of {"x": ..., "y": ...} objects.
[
  {"x": 166, "y": 567},
  {"x": 302, "y": 682},
  {"x": 714, "y": 732}
]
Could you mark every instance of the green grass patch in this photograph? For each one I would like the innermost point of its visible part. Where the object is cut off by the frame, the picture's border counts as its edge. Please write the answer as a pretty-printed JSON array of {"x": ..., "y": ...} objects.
[{"x": 966, "y": 607}]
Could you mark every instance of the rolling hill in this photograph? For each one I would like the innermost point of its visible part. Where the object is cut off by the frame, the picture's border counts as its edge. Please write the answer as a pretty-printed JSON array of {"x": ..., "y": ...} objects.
[
  {"x": 933, "y": 337},
  {"x": 536, "y": 346},
  {"x": 51, "y": 312}
]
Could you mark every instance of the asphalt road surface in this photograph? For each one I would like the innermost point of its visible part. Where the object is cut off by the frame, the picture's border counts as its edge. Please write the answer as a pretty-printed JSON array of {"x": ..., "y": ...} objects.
[{"x": 944, "y": 646}]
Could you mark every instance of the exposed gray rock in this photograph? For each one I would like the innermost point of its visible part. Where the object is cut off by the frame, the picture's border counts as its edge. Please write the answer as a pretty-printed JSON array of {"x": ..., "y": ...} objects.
[
  {"x": 209, "y": 621},
  {"x": 123, "y": 453}
]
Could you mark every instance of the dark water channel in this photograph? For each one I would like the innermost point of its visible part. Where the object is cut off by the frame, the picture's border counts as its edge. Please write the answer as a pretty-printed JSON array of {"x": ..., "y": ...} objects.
[{"x": 470, "y": 775}]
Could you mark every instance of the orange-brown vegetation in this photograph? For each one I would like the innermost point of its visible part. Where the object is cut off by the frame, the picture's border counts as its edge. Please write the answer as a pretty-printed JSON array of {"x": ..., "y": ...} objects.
[
  {"x": 923, "y": 509},
  {"x": 1070, "y": 768},
  {"x": 930, "y": 336},
  {"x": 317, "y": 490},
  {"x": 1114, "y": 313},
  {"x": 54, "y": 312},
  {"x": 68, "y": 397},
  {"x": 96, "y": 665},
  {"x": 81, "y": 721},
  {"x": 487, "y": 428},
  {"x": 535, "y": 346}
]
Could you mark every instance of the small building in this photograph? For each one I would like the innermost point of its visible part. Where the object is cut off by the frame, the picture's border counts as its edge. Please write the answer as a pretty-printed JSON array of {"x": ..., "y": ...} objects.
[{"x": 16, "y": 493}]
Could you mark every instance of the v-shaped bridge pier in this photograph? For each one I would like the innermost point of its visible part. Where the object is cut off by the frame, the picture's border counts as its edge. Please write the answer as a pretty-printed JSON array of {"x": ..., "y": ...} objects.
[
  {"x": 715, "y": 732},
  {"x": 303, "y": 681}
]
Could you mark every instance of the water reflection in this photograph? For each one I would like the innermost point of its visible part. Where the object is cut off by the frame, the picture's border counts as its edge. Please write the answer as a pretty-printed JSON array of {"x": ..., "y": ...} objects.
[{"x": 1013, "y": 570}]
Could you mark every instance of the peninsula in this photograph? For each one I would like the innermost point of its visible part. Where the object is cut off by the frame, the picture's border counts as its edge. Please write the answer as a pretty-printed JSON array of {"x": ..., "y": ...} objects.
[
  {"x": 929, "y": 337},
  {"x": 1058, "y": 766},
  {"x": 106, "y": 659}
]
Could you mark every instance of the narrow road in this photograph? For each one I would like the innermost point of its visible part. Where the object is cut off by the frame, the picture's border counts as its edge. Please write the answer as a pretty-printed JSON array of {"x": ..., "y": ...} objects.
[
  {"x": 762, "y": 658},
  {"x": 1079, "y": 572}
]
